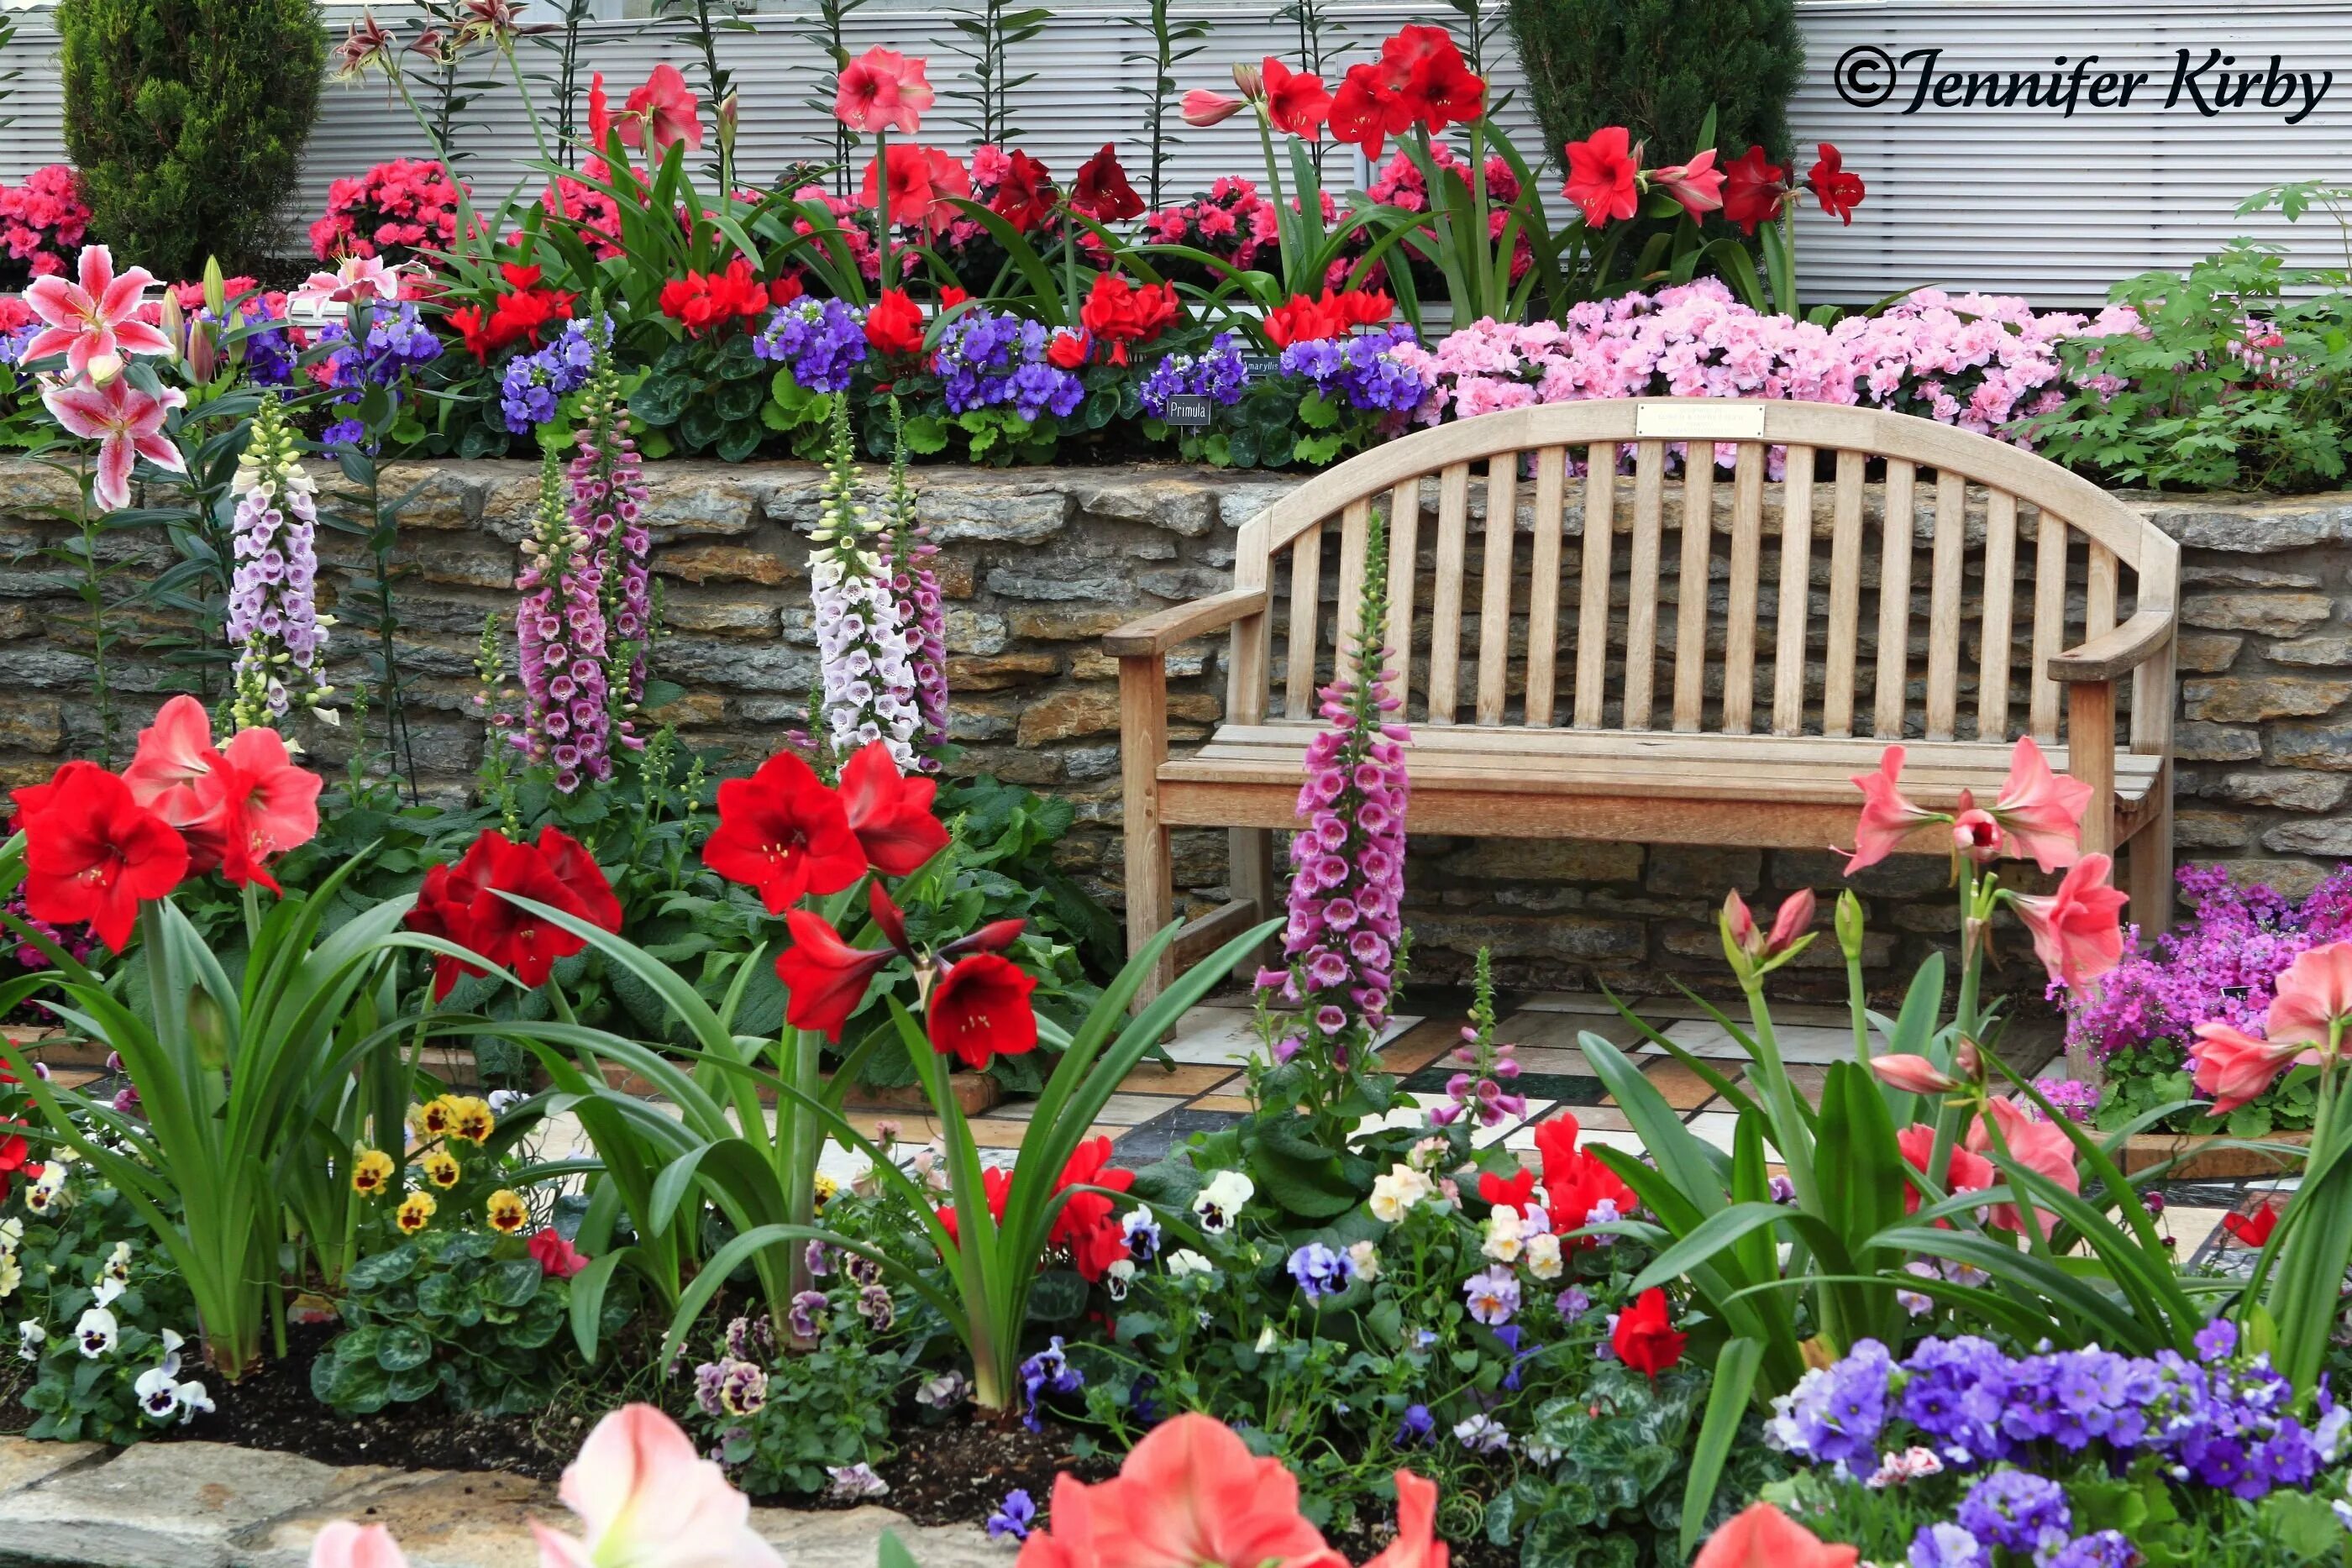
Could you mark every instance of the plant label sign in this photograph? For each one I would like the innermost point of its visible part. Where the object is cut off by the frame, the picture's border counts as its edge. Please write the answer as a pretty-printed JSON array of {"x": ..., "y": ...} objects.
[{"x": 1190, "y": 409}]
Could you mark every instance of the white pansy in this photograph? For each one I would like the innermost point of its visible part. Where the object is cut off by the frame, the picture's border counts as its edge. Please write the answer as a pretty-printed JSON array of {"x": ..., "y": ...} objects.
[
  {"x": 107, "y": 1290},
  {"x": 96, "y": 1333},
  {"x": 194, "y": 1398},
  {"x": 1184, "y": 1261},
  {"x": 1395, "y": 1193},
  {"x": 11, "y": 1234},
  {"x": 1543, "y": 1255},
  {"x": 1267, "y": 1339},
  {"x": 1117, "y": 1278},
  {"x": 1367, "y": 1259},
  {"x": 30, "y": 1337},
  {"x": 159, "y": 1394},
  {"x": 1222, "y": 1201},
  {"x": 117, "y": 1266},
  {"x": 11, "y": 1275},
  {"x": 1505, "y": 1235}
]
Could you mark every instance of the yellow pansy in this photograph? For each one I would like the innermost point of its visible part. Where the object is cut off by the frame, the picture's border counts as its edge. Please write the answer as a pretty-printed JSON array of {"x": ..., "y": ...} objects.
[
  {"x": 441, "y": 1168},
  {"x": 434, "y": 1118},
  {"x": 507, "y": 1212},
  {"x": 825, "y": 1188},
  {"x": 416, "y": 1212},
  {"x": 472, "y": 1119},
  {"x": 372, "y": 1172}
]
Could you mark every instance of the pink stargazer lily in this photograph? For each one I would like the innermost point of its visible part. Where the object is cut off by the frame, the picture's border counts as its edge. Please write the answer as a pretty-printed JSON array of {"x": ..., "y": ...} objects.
[
  {"x": 93, "y": 322},
  {"x": 650, "y": 1500},
  {"x": 359, "y": 278},
  {"x": 126, "y": 422}
]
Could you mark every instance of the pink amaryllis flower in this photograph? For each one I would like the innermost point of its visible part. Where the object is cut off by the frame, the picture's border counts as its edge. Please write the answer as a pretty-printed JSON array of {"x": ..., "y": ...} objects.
[
  {"x": 94, "y": 320},
  {"x": 883, "y": 90},
  {"x": 1202, "y": 108},
  {"x": 662, "y": 113},
  {"x": 2040, "y": 1146},
  {"x": 1697, "y": 184},
  {"x": 126, "y": 421},
  {"x": 2077, "y": 933},
  {"x": 1796, "y": 913},
  {"x": 2042, "y": 812},
  {"x": 2308, "y": 1016},
  {"x": 2234, "y": 1067},
  {"x": 648, "y": 1500},
  {"x": 1912, "y": 1074},
  {"x": 1887, "y": 817},
  {"x": 1764, "y": 1537},
  {"x": 343, "y": 1544},
  {"x": 171, "y": 773}
]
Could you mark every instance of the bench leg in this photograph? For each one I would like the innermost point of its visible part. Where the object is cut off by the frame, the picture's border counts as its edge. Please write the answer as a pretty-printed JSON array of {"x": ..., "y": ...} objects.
[
  {"x": 1250, "y": 854},
  {"x": 2151, "y": 887},
  {"x": 1150, "y": 872}
]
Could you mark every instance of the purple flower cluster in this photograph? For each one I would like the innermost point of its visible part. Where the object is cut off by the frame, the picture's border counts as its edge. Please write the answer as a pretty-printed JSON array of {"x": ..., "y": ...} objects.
[
  {"x": 396, "y": 342},
  {"x": 915, "y": 585},
  {"x": 2019, "y": 1512},
  {"x": 14, "y": 344},
  {"x": 1486, "y": 1063},
  {"x": 1320, "y": 1270},
  {"x": 2071, "y": 1097},
  {"x": 2230, "y": 1423},
  {"x": 730, "y": 1387},
  {"x": 821, "y": 341},
  {"x": 1347, "y": 888},
  {"x": 2220, "y": 967},
  {"x": 608, "y": 501},
  {"x": 533, "y": 382},
  {"x": 991, "y": 359},
  {"x": 1219, "y": 375},
  {"x": 1047, "y": 1372},
  {"x": 561, "y": 636},
  {"x": 273, "y": 612},
  {"x": 1359, "y": 372}
]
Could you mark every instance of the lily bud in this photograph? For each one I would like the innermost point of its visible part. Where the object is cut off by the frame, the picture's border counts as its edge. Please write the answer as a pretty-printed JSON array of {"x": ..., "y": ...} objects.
[
  {"x": 173, "y": 322},
  {"x": 1849, "y": 923},
  {"x": 204, "y": 352},
  {"x": 728, "y": 112},
  {"x": 1914, "y": 1074},
  {"x": 215, "y": 285}
]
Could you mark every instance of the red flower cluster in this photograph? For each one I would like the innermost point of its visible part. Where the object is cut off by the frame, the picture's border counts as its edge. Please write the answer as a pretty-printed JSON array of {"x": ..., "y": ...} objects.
[
  {"x": 1305, "y": 320},
  {"x": 1120, "y": 312},
  {"x": 97, "y": 844},
  {"x": 706, "y": 302},
  {"x": 1420, "y": 79},
  {"x": 1645, "y": 1338},
  {"x": 1024, "y": 193},
  {"x": 520, "y": 315},
  {"x": 16, "y": 1155},
  {"x": 893, "y": 324},
  {"x": 924, "y": 182},
  {"x": 463, "y": 903},
  {"x": 1605, "y": 178},
  {"x": 1101, "y": 191},
  {"x": 1087, "y": 1223},
  {"x": 393, "y": 210},
  {"x": 43, "y": 219}
]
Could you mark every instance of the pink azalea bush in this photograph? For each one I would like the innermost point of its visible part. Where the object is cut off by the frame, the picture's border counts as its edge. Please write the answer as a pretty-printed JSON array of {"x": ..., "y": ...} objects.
[
  {"x": 43, "y": 221},
  {"x": 393, "y": 210},
  {"x": 1974, "y": 361}
]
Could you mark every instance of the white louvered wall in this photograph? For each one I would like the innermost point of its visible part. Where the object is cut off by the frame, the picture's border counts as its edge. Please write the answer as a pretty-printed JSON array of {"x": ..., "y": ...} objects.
[{"x": 2013, "y": 199}]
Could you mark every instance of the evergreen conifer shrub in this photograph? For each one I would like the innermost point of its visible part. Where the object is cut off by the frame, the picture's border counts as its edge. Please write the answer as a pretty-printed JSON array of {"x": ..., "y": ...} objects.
[{"x": 1656, "y": 66}]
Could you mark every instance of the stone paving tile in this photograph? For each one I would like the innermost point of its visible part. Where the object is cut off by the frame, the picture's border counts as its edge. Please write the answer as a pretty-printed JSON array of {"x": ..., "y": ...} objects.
[
  {"x": 441, "y": 1518},
  {"x": 24, "y": 1462},
  {"x": 164, "y": 1505},
  {"x": 1812, "y": 1043},
  {"x": 1120, "y": 1110},
  {"x": 1151, "y": 1078}
]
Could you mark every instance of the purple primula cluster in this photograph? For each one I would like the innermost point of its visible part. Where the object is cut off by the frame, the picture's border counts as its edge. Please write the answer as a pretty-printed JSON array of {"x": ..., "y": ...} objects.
[
  {"x": 1219, "y": 375},
  {"x": 993, "y": 358},
  {"x": 2221, "y": 967},
  {"x": 1047, "y": 1372},
  {"x": 534, "y": 383},
  {"x": 821, "y": 341},
  {"x": 608, "y": 502},
  {"x": 396, "y": 342},
  {"x": 1346, "y": 937},
  {"x": 273, "y": 610},
  {"x": 2230, "y": 1424},
  {"x": 561, "y": 637},
  {"x": 915, "y": 585},
  {"x": 1359, "y": 372}
]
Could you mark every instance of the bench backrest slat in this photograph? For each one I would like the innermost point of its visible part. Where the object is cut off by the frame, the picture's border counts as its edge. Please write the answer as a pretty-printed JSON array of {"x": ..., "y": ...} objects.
[{"x": 1930, "y": 522}]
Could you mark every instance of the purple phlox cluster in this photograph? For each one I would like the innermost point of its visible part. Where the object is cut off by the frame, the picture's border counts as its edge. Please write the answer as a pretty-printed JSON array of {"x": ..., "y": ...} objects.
[
  {"x": 994, "y": 359},
  {"x": 914, "y": 585},
  {"x": 1047, "y": 1372},
  {"x": 2219, "y": 968},
  {"x": 533, "y": 384},
  {"x": 560, "y": 639},
  {"x": 395, "y": 343},
  {"x": 2072, "y": 1098},
  {"x": 730, "y": 1387},
  {"x": 866, "y": 675},
  {"x": 76, "y": 940},
  {"x": 1361, "y": 372},
  {"x": 2230, "y": 1423},
  {"x": 273, "y": 609},
  {"x": 821, "y": 341},
  {"x": 1834, "y": 1415},
  {"x": 1219, "y": 375},
  {"x": 608, "y": 504},
  {"x": 1013, "y": 1518},
  {"x": 1492, "y": 1294},
  {"x": 1321, "y": 1271},
  {"x": 14, "y": 344},
  {"x": 1974, "y": 361}
]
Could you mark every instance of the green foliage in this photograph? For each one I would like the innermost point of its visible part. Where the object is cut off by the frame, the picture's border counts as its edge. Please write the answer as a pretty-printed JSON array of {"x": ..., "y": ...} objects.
[
  {"x": 463, "y": 1314},
  {"x": 186, "y": 119},
  {"x": 1658, "y": 67},
  {"x": 787, "y": 1418},
  {"x": 2241, "y": 380},
  {"x": 704, "y": 396},
  {"x": 2156, "y": 1076}
]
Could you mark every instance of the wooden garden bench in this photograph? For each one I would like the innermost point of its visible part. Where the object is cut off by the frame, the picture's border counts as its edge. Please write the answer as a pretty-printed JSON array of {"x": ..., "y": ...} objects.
[{"x": 1571, "y": 690}]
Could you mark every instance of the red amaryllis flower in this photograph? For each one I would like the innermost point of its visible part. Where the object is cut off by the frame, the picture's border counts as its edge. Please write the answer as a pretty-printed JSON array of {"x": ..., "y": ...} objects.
[
  {"x": 1967, "y": 1171},
  {"x": 893, "y": 324},
  {"x": 2040, "y": 1146},
  {"x": 1089, "y": 1224},
  {"x": 2234, "y": 1067},
  {"x": 1838, "y": 191},
  {"x": 704, "y": 301},
  {"x": 444, "y": 909},
  {"x": 258, "y": 804},
  {"x": 1796, "y": 913},
  {"x": 92, "y": 853},
  {"x": 2314, "y": 998},
  {"x": 1645, "y": 1338},
  {"x": 995, "y": 1186},
  {"x": 1102, "y": 192},
  {"x": 1440, "y": 88},
  {"x": 782, "y": 832},
  {"x": 1024, "y": 194},
  {"x": 883, "y": 90},
  {"x": 1764, "y": 1535},
  {"x": 890, "y": 812},
  {"x": 662, "y": 113},
  {"x": 2075, "y": 930},
  {"x": 1120, "y": 312},
  {"x": 922, "y": 181},
  {"x": 979, "y": 1008},
  {"x": 825, "y": 978},
  {"x": 1303, "y": 321},
  {"x": 1370, "y": 105},
  {"x": 1753, "y": 190},
  {"x": 577, "y": 870},
  {"x": 514, "y": 938},
  {"x": 1602, "y": 175},
  {"x": 170, "y": 771},
  {"x": 1295, "y": 102}
]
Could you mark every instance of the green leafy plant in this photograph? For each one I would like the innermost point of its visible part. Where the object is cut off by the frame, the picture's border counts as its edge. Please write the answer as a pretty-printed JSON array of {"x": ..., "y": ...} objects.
[
  {"x": 186, "y": 120},
  {"x": 1172, "y": 43},
  {"x": 991, "y": 30}
]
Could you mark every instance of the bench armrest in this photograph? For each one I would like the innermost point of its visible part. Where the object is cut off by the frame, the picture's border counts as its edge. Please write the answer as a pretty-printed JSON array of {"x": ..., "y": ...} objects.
[
  {"x": 1158, "y": 633},
  {"x": 2115, "y": 653}
]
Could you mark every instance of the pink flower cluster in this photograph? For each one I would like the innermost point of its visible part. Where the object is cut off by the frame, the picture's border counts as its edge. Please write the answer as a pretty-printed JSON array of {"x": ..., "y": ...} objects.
[
  {"x": 43, "y": 219},
  {"x": 1974, "y": 361},
  {"x": 392, "y": 210},
  {"x": 1400, "y": 184},
  {"x": 608, "y": 499},
  {"x": 560, "y": 637}
]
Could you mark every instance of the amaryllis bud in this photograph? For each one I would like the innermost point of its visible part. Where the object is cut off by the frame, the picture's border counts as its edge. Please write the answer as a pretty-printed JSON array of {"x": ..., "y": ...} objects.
[
  {"x": 1914, "y": 1074},
  {"x": 1970, "y": 1059},
  {"x": 1796, "y": 915},
  {"x": 1738, "y": 924},
  {"x": 1849, "y": 924},
  {"x": 1202, "y": 108},
  {"x": 1250, "y": 79},
  {"x": 995, "y": 938}
]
